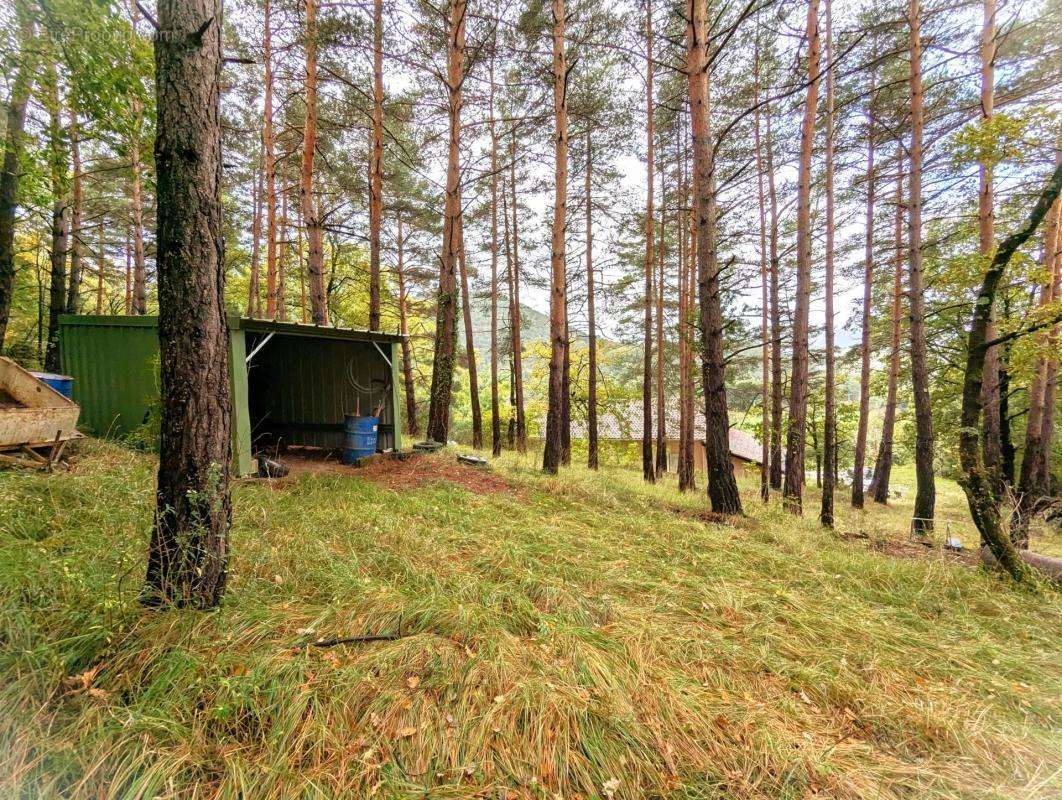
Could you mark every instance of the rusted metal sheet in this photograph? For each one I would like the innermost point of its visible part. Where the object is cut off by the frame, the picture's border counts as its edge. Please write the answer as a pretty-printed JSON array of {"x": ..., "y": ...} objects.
[{"x": 31, "y": 412}]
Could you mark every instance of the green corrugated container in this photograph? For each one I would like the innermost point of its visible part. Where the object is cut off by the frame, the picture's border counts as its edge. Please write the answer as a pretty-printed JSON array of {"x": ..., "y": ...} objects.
[{"x": 289, "y": 382}]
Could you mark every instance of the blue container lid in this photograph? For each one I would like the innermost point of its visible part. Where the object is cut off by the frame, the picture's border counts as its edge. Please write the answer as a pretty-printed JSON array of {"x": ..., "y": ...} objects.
[{"x": 50, "y": 376}]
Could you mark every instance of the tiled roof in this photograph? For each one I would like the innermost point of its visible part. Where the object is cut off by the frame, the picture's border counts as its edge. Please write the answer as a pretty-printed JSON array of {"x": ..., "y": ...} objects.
[{"x": 622, "y": 421}]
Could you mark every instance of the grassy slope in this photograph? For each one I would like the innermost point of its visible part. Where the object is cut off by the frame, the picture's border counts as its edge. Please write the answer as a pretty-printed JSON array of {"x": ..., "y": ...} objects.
[{"x": 573, "y": 638}]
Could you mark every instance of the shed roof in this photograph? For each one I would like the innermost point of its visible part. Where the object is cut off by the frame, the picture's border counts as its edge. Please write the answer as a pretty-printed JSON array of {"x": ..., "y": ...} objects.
[
  {"x": 241, "y": 323},
  {"x": 622, "y": 421}
]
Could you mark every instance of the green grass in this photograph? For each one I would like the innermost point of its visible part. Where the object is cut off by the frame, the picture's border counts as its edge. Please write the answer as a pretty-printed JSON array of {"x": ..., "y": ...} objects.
[{"x": 578, "y": 637}]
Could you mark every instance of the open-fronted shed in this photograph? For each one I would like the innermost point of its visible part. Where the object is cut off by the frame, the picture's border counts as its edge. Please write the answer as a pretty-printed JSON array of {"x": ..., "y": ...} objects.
[{"x": 291, "y": 384}]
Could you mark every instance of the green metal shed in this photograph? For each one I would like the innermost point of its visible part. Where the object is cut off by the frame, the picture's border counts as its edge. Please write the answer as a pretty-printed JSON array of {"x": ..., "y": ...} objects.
[{"x": 291, "y": 384}]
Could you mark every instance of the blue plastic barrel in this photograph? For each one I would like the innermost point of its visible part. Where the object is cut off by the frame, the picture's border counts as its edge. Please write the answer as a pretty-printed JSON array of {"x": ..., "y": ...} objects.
[
  {"x": 63, "y": 384},
  {"x": 359, "y": 438}
]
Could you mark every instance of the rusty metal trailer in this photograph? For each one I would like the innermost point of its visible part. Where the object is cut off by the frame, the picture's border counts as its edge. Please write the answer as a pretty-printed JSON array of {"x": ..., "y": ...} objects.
[{"x": 36, "y": 421}]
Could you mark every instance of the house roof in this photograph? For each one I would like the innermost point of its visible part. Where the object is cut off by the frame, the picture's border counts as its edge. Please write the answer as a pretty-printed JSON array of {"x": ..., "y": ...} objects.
[{"x": 622, "y": 421}]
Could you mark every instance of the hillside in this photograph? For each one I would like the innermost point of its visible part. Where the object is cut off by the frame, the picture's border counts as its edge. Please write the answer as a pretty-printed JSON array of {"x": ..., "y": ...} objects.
[
  {"x": 534, "y": 326},
  {"x": 584, "y": 636}
]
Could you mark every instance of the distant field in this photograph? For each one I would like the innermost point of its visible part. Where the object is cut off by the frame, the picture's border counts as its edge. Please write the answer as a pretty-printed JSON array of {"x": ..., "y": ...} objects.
[{"x": 579, "y": 637}]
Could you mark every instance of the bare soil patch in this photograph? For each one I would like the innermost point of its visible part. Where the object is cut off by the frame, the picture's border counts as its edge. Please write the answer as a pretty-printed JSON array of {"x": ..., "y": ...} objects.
[
  {"x": 421, "y": 470},
  {"x": 393, "y": 473},
  {"x": 911, "y": 548}
]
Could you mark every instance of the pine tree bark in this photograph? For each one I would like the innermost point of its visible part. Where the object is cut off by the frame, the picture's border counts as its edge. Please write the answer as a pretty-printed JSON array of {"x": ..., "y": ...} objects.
[
  {"x": 470, "y": 349},
  {"x": 566, "y": 397},
  {"x": 442, "y": 376},
  {"x": 661, "y": 420},
  {"x": 648, "y": 470},
  {"x": 495, "y": 407},
  {"x": 859, "y": 459},
  {"x": 188, "y": 553},
  {"x": 879, "y": 482},
  {"x": 776, "y": 314},
  {"x": 139, "y": 304},
  {"x": 268, "y": 146},
  {"x": 412, "y": 425},
  {"x": 991, "y": 433},
  {"x": 129, "y": 270},
  {"x": 687, "y": 279},
  {"x": 60, "y": 228},
  {"x": 975, "y": 481},
  {"x": 376, "y": 167},
  {"x": 1054, "y": 342},
  {"x": 552, "y": 452},
  {"x": 515, "y": 314},
  {"x": 829, "y": 422},
  {"x": 253, "y": 284},
  {"x": 722, "y": 487},
  {"x": 1034, "y": 479},
  {"x": 101, "y": 263},
  {"x": 77, "y": 202},
  {"x": 310, "y": 217},
  {"x": 798, "y": 379},
  {"x": 925, "y": 493},
  {"x": 765, "y": 351},
  {"x": 591, "y": 315},
  {"x": 282, "y": 261},
  {"x": 13, "y": 148}
]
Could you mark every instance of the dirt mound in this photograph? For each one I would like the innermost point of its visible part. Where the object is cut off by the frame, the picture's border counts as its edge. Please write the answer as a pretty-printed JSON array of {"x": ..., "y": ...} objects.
[
  {"x": 417, "y": 471},
  {"x": 393, "y": 473},
  {"x": 928, "y": 550}
]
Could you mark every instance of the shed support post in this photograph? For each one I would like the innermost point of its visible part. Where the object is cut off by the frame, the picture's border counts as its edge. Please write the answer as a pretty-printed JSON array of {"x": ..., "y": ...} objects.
[
  {"x": 242, "y": 462},
  {"x": 396, "y": 402}
]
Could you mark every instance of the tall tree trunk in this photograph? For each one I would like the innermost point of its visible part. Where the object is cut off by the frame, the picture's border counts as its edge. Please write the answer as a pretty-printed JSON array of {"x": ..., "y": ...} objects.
[
  {"x": 859, "y": 460},
  {"x": 879, "y": 483},
  {"x": 648, "y": 470},
  {"x": 511, "y": 427},
  {"x": 282, "y": 261},
  {"x": 1034, "y": 480},
  {"x": 310, "y": 216},
  {"x": 1006, "y": 440},
  {"x": 566, "y": 397},
  {"x": 129, "y": 270},
  {"x": 765, "y": 352},
  {"x": 495, "y": 407},
  {"x": 798, "y": 379},
  {"x": 442, "y": 376},
  {"x": 722, "y": 487},
  {"x": 829, "y": 431},
  {"x": 73, "y": 292},
  {"x": 189, "y": 541},
  {"x": 13, "y": 147},
  {"x": 139, "y": 267},
  {"x": 101, "y": 263},
  {"x": 376, "y": 167},
  {"x": 39, "y": 274},
  {"x": 470, "y": 349},
  {"x": 268, "y": 147},
  {"x": 591, "y": 315},
  {"x": 403, "y": 328},
  {"x": 60, "y": 222},
  {"x": 975, "y": 481},
  {"x": 776, "y": 315},
  {"x": 303, "y": 311},
  {"x": 253, "y": 290},
  {"x": 558, "y": 307},
  {"x": 661, "y": 420},
  {"x": 992, "y": 444},
  {"x": 686, "y": 327},
  {"x": 515, "y": 315},
  {"x": 925, "y": 494},
  {"x": 1054, "y": 341}
]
